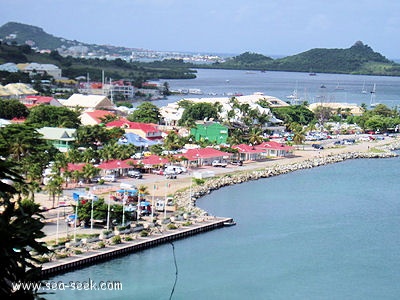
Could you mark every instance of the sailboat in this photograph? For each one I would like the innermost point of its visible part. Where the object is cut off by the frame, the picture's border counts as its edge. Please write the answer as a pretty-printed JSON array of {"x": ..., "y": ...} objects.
[
  {"x": 338, "y": 87},
  {"x": 373, "y": 96},
  {"x": 363, "y": 91},
  {"x": 294, "y": 97}
]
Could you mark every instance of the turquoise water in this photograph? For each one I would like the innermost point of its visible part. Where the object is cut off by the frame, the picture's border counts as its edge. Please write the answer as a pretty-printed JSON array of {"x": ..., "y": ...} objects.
[{"x": 331, "y": 232}]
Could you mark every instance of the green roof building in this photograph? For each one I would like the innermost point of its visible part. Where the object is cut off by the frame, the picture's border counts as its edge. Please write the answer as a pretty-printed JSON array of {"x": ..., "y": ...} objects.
[
  {"x": 211, "y": 131},
  {"x": 61, "y": 138}
]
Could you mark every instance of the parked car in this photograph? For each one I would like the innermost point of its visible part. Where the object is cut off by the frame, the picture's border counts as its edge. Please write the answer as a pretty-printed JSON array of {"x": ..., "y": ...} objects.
[
  {"x": 109, "y": 178},
  {"x": 170, "y": 174},
  {"x": 317, "y": 146},
  {"x": 237, "y": 162},
  {"x": 219, "y": 163},
  {"x": 135, "y": 174}
]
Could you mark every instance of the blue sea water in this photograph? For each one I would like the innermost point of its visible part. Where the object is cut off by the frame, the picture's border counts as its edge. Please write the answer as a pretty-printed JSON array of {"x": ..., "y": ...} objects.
[
  {"x": 337, "y": 87},
  {"x": 331, "y": 232}
]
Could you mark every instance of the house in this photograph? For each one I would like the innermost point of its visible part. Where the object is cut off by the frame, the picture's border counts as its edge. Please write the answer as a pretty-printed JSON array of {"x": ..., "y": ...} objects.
[
  {"x": 94, "y": 117},
  {"x": 88, "y": 102},
  {"x": 210, "y": 131},
  {"x": 30, "y": 101},
  {"x": 145, "y": 130},
  {"x": 275, "y": 149},
  {"x": 204, "y": 156},
  {"x": 60, "y": 138},
  {"x": 248, "y": 152}
]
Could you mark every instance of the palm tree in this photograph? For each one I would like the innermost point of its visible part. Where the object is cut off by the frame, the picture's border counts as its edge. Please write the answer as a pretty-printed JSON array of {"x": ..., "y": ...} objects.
[
  {"x": 298, "y": 133},
  {"x": 255, "y": 136},
  {"x": 89, "y": 171}
]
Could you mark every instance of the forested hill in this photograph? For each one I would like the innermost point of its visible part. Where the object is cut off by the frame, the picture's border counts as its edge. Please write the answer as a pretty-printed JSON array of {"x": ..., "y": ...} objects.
[{"x": 358, "y": 59}]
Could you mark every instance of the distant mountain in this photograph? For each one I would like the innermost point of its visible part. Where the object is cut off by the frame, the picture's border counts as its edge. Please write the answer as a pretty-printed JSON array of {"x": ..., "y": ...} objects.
[
  {"x": 33, "y": 36},
  {"x": 358, "y": 59},
  {"x": 36, "y": 37}
]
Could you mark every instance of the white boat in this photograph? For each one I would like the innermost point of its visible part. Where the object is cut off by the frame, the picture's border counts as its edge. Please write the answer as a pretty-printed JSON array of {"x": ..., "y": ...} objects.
[
  {"x": 372, "y": 102},
  {"x": 195, "y": 91},
  {"x": 363, "y": 90},
  {"x": 338, "y": 87}
]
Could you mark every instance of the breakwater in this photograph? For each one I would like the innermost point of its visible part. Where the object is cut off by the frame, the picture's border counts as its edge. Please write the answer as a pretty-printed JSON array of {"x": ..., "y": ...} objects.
[
  {"x": 94, "y": 256},
  {"x": 187, "y": 199}
]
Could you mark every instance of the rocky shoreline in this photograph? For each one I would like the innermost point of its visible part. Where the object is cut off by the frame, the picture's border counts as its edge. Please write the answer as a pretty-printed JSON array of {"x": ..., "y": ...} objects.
[{"x": 187, "y": 199}]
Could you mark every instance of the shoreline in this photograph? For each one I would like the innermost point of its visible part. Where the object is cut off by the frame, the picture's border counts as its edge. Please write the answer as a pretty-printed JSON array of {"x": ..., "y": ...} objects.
[
  {"x": 184, "y": 199},
  {"x": 186, "y": 196}
]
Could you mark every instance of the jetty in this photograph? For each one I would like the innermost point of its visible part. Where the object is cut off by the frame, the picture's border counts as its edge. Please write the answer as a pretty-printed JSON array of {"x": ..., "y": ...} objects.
[{"x": 94, "y": 256}]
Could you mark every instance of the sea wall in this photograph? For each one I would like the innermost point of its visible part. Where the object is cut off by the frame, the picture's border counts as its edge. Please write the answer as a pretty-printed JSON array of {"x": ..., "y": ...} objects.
[{"x": 187, "y": 201}]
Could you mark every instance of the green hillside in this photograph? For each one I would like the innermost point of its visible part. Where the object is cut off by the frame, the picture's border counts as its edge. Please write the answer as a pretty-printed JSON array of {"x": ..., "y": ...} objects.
[
  {"x": 358, "y": 59},
  {"x": 37, "y": 35}
]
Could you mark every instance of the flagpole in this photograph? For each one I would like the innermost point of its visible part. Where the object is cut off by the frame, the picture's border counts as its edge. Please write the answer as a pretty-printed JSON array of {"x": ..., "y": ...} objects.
[
  {"x": 108, "y": 211},
  {"x": 76, "y": 217},
  {"x": 58, "y": 217},
  {"x": 165, "y": 201},
  {"x": 152, "y": 204}
]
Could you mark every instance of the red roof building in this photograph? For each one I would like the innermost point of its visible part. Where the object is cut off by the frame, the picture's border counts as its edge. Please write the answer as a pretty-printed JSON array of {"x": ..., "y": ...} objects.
[
  {"x": 30, "y": 101},
  {"x": 276, "y": 149},
  {"x": 145, "y": 130},
  {"x": 204, "y": 156},
  {"x": 247, "y": 152},
  {"x": 94, "y": 117}
]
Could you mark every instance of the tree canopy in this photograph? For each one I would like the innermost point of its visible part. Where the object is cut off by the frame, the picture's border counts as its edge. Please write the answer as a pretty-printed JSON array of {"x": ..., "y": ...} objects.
[
  {"x": 52, "y": 116},
  {"x": 199, "y": 111},
  {"x": 145, "y": 113},
  {"x": 12, "y": 108}
]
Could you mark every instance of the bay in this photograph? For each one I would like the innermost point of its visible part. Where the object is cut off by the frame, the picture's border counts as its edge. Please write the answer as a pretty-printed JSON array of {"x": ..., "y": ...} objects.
[
  {"x": 337, "y": 87},
  {"x": 326, "y": 233}
]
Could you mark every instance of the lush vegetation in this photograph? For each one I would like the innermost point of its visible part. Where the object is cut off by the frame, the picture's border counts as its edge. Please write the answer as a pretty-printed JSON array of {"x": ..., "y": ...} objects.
[
  {"x": 20, "y": 230},
  {"x": 145, "y": 113},
  {"x": 136, "y": 72},
  {"x": 358, "y": 59}
]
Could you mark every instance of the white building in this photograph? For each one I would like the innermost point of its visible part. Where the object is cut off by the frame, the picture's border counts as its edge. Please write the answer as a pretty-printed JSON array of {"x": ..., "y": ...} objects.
[{"x": 42, "y": 69}]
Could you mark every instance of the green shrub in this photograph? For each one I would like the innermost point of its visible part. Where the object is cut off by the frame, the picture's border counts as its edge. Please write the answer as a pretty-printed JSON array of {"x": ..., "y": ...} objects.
[
  {"x": 188, "y": 223},
  {"x": 61, "y": 255},
  {"x": 101, "y": 244},
  {"x": 172, "y": 226},
  {"x": 128, "y": 238},
  {"x": 78, "y": 251},
  {"x": 198, "y": 181},
  {"x": 144, "y": 233},
  {"x": 116, "y": 239}
]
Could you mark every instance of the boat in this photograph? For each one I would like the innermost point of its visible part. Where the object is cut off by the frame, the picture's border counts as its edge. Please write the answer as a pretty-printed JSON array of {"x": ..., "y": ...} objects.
[
  {"x": 229, "y": 222},
  {"x": 363, "y": 90},
  {"x": 294, "y": 98},
  {"x": 372, "y": 102},
  {"x": 311, "y": 73},
  {"x": 338, "y": 87}
]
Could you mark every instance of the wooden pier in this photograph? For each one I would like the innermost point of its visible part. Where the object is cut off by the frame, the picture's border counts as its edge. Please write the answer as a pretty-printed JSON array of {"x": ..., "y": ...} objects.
[{"x": 94, "y": 256}]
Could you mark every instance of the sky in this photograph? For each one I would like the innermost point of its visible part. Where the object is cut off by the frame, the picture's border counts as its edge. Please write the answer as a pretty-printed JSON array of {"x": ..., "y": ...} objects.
[{"x": 269, "y": 27}]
